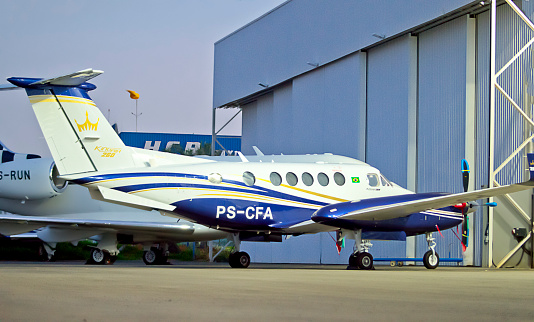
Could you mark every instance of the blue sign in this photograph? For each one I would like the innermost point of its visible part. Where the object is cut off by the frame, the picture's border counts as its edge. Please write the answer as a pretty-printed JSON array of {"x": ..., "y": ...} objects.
[{"x": 179, "y": 142}]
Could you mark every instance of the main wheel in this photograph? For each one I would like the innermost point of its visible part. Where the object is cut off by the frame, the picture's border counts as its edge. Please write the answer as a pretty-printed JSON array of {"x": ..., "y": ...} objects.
[
  {"x": 150, "y": 257},
  {"x": 364, "y": 260},
  {"x": 99, "y": 257},
  {"x": 352, "y": 259},
  {"x": 431, "y": 260},
  {"x": 239, "y": 260}
]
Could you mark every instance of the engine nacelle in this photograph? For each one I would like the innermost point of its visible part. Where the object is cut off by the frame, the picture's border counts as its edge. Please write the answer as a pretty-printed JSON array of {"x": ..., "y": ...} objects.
[{"x": 30, "y": 179}]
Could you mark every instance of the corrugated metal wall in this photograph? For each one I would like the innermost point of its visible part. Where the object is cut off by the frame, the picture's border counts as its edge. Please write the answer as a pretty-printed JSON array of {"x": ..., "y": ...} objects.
[
  {"x": 277, "y": 47},
  {"x": 388, "y": 91},
  {"x": 441, "y": 118},
  {"x": 328, "y": 102}
]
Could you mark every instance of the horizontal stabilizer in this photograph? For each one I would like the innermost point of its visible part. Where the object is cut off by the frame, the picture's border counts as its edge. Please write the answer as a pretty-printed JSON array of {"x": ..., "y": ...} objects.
[
  {"x": 125, "y": 198},
  {"x": 8, "y": 87},
  {"x": 73, "y": 79}
]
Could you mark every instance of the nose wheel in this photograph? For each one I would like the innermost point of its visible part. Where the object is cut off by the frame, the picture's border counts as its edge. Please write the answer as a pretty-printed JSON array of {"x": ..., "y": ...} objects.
[
  {"x": 431, "y": 258},
  {"x": 361, "y": 258}
]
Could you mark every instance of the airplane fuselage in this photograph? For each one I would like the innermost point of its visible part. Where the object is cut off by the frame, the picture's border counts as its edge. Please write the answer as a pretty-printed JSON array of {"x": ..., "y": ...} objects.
[{"x": 271, "y": 197}]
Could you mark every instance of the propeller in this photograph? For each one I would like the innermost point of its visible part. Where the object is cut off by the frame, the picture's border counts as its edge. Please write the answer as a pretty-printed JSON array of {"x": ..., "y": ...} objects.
[
  {"x": 465, "y": 222},
  {"x": 465, "y": 206}
]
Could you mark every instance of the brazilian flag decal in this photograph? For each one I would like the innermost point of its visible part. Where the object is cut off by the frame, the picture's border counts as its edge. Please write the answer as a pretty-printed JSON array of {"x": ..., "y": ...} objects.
[{"x": 355, "y": 179}]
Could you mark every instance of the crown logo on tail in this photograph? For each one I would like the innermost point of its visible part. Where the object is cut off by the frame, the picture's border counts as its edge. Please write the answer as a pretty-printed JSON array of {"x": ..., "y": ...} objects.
[{"x": 87, "y": 125}]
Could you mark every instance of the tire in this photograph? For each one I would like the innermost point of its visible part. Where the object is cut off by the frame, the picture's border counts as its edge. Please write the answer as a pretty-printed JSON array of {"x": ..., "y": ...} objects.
[
  {"x": 150, "y": 257},
  {"x": 430, "y": 261},
  {"x": 99, "y": 257},
  {"x": 352, "y": 260},
  {"x": 239, "y": 260},
  {"x": 365, "y": 261}
]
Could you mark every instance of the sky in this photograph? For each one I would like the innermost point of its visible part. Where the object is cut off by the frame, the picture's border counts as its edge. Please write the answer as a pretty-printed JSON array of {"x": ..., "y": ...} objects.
[{"x": 161, "y": 49}]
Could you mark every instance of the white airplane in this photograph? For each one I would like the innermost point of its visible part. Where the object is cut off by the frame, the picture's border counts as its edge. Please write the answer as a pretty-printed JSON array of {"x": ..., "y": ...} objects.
[
  {"x": 260, "y": 198},
  {"x": 62, "y": 212}
]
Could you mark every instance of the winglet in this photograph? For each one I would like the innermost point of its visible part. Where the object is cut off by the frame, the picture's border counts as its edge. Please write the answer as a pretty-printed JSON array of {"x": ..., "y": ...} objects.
[{"x": 530, "y": 158}]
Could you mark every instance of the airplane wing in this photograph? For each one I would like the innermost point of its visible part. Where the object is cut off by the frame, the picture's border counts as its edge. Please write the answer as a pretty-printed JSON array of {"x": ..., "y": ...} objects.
[
  {"x": 15, "y": 224},
  {"x": 388, "y": 208}
]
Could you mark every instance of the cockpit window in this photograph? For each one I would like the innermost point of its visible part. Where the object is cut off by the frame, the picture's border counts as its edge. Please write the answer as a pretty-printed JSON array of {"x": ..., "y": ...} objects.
[{"x": 372, "y": 178}]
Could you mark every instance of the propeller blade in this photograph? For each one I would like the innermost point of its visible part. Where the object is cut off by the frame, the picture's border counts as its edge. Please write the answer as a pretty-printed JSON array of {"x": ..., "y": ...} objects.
[{"x": 465, "y": 174}]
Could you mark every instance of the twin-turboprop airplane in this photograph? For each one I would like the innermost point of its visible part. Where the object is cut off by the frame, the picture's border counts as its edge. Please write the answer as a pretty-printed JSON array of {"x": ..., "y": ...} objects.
[{"x": 258, "y": 198}]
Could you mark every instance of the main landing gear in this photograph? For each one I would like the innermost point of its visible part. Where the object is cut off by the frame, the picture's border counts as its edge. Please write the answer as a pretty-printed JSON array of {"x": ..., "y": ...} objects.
[
  {"x": 361, "y": 258},
  {"x": 106, "y": 251},
  {"x": 156, "y": 255},
  {"x": 238, "y": 259},
  {"x": 100, "y": 257}
]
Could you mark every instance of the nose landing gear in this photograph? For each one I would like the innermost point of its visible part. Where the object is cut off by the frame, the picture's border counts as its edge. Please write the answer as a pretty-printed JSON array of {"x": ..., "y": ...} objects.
[
  {"x": 431, "y": 258},
  {"x": 361, "y": 258}
]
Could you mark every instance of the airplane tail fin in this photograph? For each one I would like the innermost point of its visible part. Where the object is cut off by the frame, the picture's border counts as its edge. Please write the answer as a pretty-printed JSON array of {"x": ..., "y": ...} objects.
[{"x": 79, "y": 137}]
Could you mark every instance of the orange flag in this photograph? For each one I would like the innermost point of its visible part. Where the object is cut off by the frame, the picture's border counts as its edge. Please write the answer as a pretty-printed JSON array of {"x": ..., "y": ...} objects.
[{"x": 133, "y": 95}]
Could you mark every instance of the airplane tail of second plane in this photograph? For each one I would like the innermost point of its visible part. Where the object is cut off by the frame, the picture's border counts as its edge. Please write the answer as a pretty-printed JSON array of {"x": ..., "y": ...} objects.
[{"x": 79, "y": 137}]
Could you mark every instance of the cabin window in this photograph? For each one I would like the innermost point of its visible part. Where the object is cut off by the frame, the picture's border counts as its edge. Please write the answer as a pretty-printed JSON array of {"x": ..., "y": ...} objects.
[
  {"x": 216, "y": 178},
  {"x": 276, "y": 179},
  {"x": 373, "y": 179},
  {"x": 307, "y": 179},
  {"x": 249, "y": 178},
  {"x": 339, "y": 179},
  {"x": 322, "y": 178},
  {"x": 291, "y": 179}
]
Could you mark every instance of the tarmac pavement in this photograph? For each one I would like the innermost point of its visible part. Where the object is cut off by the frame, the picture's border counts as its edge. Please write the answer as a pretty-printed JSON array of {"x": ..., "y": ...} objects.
[{"x": 129, "y": 290}]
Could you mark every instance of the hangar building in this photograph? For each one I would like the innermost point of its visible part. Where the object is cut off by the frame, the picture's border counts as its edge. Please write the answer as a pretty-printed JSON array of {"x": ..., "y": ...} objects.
[{"x": 402, "y": 85}]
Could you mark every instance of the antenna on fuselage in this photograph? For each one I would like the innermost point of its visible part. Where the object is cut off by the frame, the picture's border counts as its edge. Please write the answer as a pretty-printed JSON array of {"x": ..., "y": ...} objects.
[{"x": 242, "y": 157}]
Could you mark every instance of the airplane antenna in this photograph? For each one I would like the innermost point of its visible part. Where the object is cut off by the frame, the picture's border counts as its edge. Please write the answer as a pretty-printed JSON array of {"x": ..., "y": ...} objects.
[{"x": 242, "y": 157}]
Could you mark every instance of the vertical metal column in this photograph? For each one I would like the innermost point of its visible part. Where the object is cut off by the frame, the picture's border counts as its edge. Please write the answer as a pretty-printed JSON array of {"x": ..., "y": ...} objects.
[
  {"x": 470, "y": 120},
  {"x": 413, "y": 89},
  {"x": 493, "y": 23}
]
